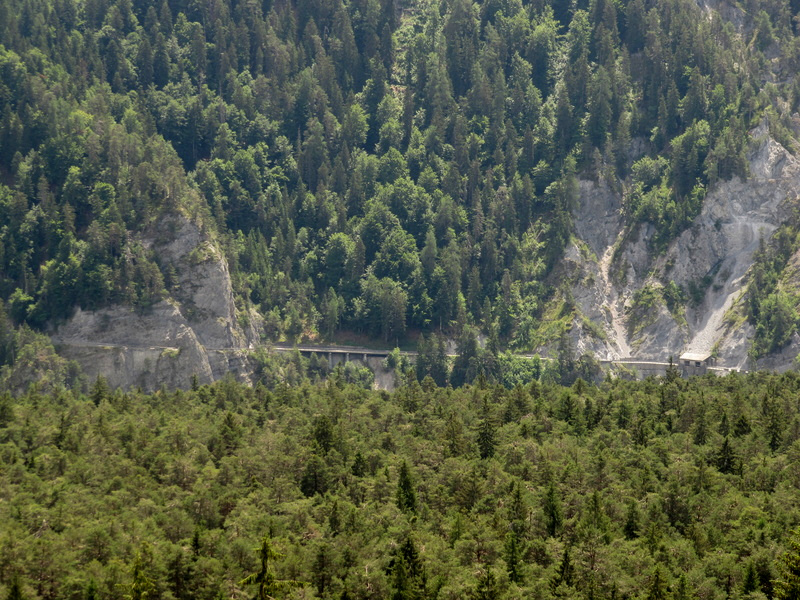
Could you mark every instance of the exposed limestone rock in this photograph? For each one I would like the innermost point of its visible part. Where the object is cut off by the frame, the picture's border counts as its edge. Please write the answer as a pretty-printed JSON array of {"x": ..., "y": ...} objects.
[
  {"x": 712, "y": 257},
  {"x": 195, "y": 332},
  {"x": 733, "y": 348},
  {"x": 726, "y": 10},
  {"x": 660, "y": 337},
  {"x": 598, "y": 217},
  {"x": 721, "y": 244},
  {"x": 784, "y": 359},
  {"x": 589, "y": 334}
]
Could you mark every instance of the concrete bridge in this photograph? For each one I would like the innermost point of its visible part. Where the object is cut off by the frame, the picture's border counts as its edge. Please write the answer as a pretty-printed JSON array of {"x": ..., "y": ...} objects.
[
  {"x": 340, "y": 354},
  {"x": 372, "y": 357},
  {"x": 642, "y": 368},
  {"x": 646, "y": 368}
]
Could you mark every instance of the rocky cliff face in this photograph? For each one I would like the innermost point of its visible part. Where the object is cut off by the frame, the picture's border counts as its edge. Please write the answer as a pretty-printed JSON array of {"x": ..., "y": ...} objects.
[
  {"x": 196, "y": 331},
  {"x": 625, "y": 295},
  {"x": 616, "y": 280}
]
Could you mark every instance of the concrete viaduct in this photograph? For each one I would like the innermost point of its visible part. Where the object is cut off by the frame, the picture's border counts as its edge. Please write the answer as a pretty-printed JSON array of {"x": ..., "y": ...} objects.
[{"x": 341, "y": 354}]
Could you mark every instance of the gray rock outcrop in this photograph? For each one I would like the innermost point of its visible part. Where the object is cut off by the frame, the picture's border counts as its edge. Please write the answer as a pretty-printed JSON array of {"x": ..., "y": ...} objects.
[
  {"x": 194, "y": 332},
  {"x": 711, "y": 257}
]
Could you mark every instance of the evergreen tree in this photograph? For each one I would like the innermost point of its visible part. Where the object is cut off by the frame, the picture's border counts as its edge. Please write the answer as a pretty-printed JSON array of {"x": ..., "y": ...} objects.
[
  {"x": 657, "y": 589},
  {"x": 141, "y": 586},
  {"x": 486, "y": 587},
  {"x": 726, "y": 457},
  {"x": 513, "y": 557},
  {"x": 15, "y": 591},
  {"x": 787, "y": 581},
  {"x": 565, "y": 572},
  {"x": 100, "y": 390},
  {"x": 700, "y": 426},
  {"x": 750, "y": 581},
  {"x": 553, "y": 515},
  {"x": 407, "y": 573},
  {"x": 406, "y": 496},
  {"x": 486, "y": 433},
  {"x": 631, "y": 527},
  {"x": 268, "y": 585}
]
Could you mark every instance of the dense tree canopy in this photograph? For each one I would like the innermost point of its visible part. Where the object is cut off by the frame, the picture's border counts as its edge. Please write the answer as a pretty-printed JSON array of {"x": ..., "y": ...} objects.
[
  {"x": 375, "y": 166},
  {"x": 663, "y": 488}
]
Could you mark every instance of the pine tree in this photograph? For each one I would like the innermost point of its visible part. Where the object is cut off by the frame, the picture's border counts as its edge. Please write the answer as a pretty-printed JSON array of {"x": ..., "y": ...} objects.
[
  {"x": 487, "y": 588},
  {"x": 407, "y": 573},
  {"x": 100, "y": 390},
  {"x": 681, "y": 589},
  {"x": 700, "y": 426},
  {"x": 517, "y": 510},
  {"x": 787, "y": 582},
  {"x": 726, "y": 457},
  {"x": 141, "y": 585},
  {"x": 565, "y": 572},
  {"x": 406, "y": 497},
  {"x": 513, "y": 556},
  {"x": 750, "y": 582},
  {"x": 322, "y": 569},
  {"x": 631, "y": 527},
  {"x": 359, "y": 468},
  {"x": 657, "y": 590},
  {"x": 268, "y": 584},
  {"x": 15, "y": 593},
  {"x": 486, "y": 434},
  {"x": 553, "y": 515},
  {"x": 742, "y": 426}
]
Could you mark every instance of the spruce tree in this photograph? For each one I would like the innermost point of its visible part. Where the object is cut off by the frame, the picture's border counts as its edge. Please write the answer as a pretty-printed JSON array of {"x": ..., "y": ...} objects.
[
  {"x": 787, "y": 582},
  {"x": 406, "y": 497},
  {"x": 631, "y": 527},
  {"x": 513, "y": 556},
  {"x": 553, "y": 515},
  {"x": 268, "y": 584},
  {"x": 486, "y": 434},
  {"x": 657, "y": 590}
]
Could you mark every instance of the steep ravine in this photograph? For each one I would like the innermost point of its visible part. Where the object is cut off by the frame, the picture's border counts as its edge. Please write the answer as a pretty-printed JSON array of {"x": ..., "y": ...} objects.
[
  {"x": 713, "y": 255},
  {"x": 615, "y": 305}
]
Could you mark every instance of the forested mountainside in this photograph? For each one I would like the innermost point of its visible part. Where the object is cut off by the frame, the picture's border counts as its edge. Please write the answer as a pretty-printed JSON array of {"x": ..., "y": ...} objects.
[
  {"x": 376, "y": 167},
  {"x": 662, "y": 489}
]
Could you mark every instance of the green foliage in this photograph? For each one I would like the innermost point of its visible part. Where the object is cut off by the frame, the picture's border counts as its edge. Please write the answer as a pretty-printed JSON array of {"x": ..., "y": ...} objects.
[
  {"x": 359, "y": 491},
  {"x": 36, "y": 363},
  {"x": 771, "y": 295},
  {"x": 406, "y": 497},
  {"x": 787, "y": 583},
  {"x": 487, "y": 587},
  {"x": 366, "y": 167},
  {"x": 432, "y": 360},
  {"x": 268, "y": 584},
  {"x": 553, "y": 514},
  {"x": 486, "y": 434},
  {"x": 644, "y": 308},
  {"x": 408, "y": 578},
  {"x": 657, "y": 589}
]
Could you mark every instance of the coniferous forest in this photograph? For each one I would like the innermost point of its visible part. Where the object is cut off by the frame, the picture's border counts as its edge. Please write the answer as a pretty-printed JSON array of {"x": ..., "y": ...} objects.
[
  {"x": 393, "y": 169},
  {"x": 379, "y": 166},
  {"x": 663, "y": 488}
]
